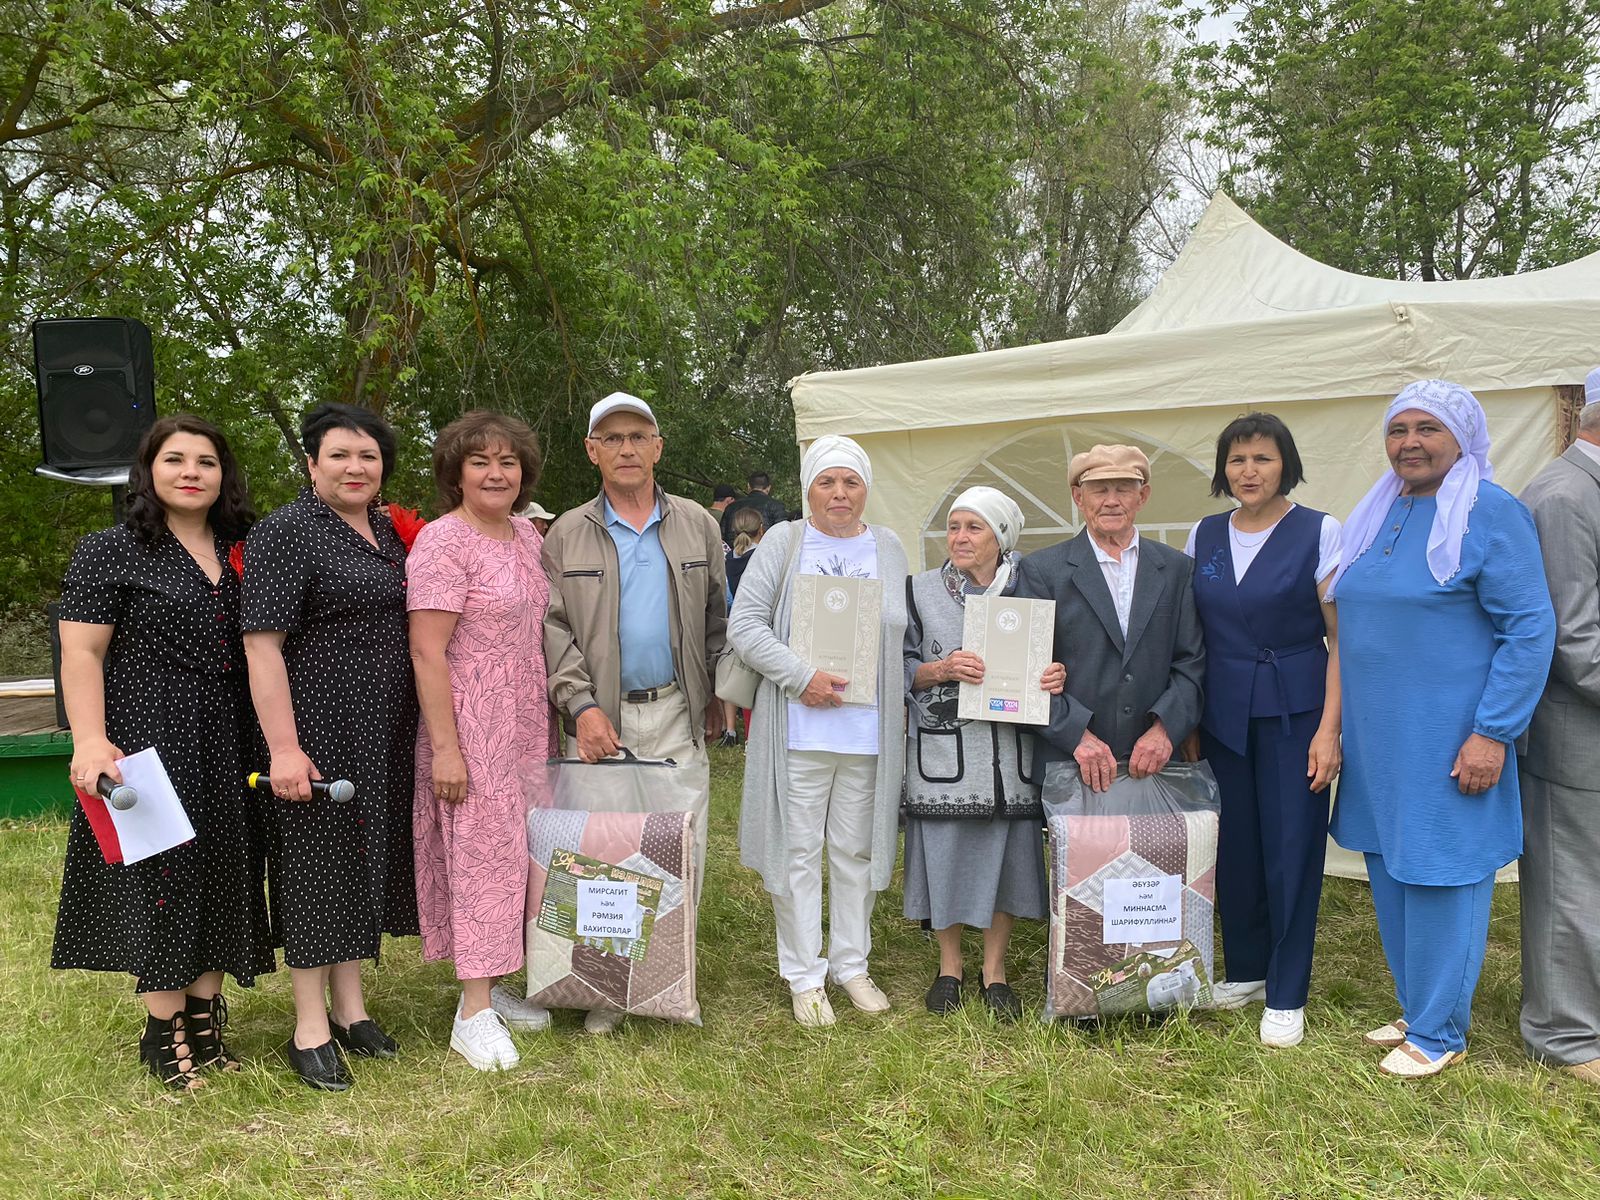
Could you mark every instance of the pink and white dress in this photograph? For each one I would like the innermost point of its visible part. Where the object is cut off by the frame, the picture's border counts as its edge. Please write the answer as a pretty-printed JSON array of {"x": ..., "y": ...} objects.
[{"x": 472, "y": 857}]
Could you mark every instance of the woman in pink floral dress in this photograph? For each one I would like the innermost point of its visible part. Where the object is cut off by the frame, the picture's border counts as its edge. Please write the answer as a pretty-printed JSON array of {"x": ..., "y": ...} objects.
[{"x": 477, "y": 599}]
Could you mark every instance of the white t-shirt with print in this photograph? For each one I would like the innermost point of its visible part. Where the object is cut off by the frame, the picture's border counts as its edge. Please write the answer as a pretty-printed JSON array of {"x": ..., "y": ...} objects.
[{"x": 852, "y": 728}]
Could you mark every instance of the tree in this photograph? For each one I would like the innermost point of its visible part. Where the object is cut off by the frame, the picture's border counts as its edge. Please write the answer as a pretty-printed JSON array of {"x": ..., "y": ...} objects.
[{"x": 1439, "y": 139}]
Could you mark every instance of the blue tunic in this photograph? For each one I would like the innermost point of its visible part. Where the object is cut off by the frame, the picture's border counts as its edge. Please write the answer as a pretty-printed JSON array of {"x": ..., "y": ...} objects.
[{"x": 1424, "y": 665}]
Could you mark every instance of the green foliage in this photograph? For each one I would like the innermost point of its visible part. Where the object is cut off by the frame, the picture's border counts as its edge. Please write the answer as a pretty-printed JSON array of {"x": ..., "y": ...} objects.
[{"x": 1439, "y": 139}]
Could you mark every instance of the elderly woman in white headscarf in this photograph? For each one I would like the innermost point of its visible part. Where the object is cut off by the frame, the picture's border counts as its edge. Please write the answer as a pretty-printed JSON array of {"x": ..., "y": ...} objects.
[
  {"x": 1445, "y": 635},
  {"x": 821, "y": 774},
  {"x": 974, "y": 855}
]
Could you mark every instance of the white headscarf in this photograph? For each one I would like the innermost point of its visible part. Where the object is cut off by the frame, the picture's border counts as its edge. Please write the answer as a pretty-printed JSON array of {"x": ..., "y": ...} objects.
[
  {"x": 832, "y": 450},
  {"x": 1463, "y": 416},
  {"x": 1591, "y": 388},
  {"x": 1001, "y": 514}
]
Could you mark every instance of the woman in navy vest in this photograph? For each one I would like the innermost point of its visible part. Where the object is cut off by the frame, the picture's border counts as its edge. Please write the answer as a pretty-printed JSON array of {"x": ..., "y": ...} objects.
[{"x": 1270, "y": 729}]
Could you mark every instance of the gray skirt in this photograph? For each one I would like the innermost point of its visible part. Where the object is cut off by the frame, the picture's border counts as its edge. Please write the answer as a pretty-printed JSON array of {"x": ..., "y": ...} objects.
[{"x": 961, "y": 872}]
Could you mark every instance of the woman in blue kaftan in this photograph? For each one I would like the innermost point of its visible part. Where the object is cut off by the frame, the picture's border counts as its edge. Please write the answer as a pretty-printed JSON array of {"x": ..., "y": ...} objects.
[{"x": 1446, "y": 635}]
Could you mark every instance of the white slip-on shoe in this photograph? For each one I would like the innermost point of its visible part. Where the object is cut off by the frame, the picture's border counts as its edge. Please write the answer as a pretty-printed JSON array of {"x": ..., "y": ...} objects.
[
  {"x": 1388, "y": 1036},
  {"x": 1237, "y": 995},
  {"x": 484, "y": 1041},
  {"x": 811, "y": 1008},
  {"x": 1283, "y": 1027},
  {"x": 602, "y": 1020},
  {"x": 1407, "y": 1061},
  {"x": 867, "y": 996},
  {"x": 519, "y": 1014}
]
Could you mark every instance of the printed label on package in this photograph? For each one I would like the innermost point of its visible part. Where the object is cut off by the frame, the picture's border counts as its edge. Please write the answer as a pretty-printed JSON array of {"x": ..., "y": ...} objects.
[
  {"x": 599, "y": 905},
  {"x": 1143, "y": 910}
]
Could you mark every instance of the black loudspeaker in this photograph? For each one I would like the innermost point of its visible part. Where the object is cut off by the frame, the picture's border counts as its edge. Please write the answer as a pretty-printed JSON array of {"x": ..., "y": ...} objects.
[{"x": 97, "y": 390}]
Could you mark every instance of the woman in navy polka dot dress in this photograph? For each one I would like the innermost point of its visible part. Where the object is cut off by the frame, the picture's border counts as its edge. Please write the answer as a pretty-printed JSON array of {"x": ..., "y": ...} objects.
[
  {"x": 330, "y": 673},
  {"x": 151, "y": 656}
]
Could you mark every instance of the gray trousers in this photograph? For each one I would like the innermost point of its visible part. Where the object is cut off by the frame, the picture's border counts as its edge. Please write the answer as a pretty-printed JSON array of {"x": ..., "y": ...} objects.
[{"x": 1560, "y": 873}]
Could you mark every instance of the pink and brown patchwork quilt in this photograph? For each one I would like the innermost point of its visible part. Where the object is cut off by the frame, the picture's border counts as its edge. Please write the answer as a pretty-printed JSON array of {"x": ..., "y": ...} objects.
[
  {"x": 1105, "y": 872},
  {"x": 651, "y": 855}
]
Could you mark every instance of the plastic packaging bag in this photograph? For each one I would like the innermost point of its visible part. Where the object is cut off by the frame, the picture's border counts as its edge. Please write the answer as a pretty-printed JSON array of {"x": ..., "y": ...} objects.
[
  {"x": 1132, "y": 891},
  {"x": 615, "y": 849}
]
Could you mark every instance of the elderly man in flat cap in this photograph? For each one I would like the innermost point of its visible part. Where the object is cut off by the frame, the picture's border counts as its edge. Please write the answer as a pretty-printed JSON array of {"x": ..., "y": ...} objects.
[
  {"x": 1126, "y": 627},
  {"x": 1560, "y": 772}
]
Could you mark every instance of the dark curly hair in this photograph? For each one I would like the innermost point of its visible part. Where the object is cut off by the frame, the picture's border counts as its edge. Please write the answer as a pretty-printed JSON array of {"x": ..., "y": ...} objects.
[
  {"x": 231, "y": 515},
  {"x": 476, "y": 431},
  {"x": 1248, "y": 428},
  {"x": 318, "y": 421}
]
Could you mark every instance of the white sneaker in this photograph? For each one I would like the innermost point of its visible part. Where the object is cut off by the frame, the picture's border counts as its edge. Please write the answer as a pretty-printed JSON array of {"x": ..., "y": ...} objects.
[
  {"x": 484, "y": 1041},
  {"x": 519, "y": 1013},
  {"x": 1237, "y": 995},
  {"x": 1283, "y": 1027},
  {"x": 867, "y": 996},
  {"x": 811, "y": 1008},
  {"x": 602, "y": 1020}
]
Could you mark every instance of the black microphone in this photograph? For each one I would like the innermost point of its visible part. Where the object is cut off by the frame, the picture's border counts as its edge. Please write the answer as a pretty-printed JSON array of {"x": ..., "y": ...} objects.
[
  {"x": 340, "y": 791},
  {"x": 120, "y": 796}
]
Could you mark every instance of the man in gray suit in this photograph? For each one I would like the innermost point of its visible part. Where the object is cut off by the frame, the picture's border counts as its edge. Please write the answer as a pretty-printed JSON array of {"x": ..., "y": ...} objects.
[
  {"x": 1126, "y": 627},
  {"x": 1561, "y": 770}
]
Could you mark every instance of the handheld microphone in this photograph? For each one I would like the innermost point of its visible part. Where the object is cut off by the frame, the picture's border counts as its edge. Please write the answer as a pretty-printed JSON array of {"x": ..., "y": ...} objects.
[
  {"x": 119, "y": 795},
  {"x": 340, "y": 791}
]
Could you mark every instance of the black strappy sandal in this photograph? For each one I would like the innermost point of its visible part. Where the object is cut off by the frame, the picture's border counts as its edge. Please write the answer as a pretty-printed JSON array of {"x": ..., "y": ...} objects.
[
  {"x": 166, "y": 1050},
  {"x": 207, "y": 1018}
]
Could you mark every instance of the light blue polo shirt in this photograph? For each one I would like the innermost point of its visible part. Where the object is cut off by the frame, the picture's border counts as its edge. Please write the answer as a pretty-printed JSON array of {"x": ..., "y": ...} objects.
[{"x": 644, "y": 610}]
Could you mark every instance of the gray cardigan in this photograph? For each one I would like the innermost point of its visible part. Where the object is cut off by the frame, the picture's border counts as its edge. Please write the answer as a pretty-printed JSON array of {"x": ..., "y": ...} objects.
[{"x": 758, "y": 629}]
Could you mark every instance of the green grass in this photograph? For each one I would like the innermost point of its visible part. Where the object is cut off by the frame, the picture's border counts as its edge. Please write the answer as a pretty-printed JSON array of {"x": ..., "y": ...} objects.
[{"x": 754, "y": 1105}]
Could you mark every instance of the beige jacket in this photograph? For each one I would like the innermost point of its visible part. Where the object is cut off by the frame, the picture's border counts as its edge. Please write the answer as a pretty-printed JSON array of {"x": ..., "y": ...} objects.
[{"x": 581, "y": 645}]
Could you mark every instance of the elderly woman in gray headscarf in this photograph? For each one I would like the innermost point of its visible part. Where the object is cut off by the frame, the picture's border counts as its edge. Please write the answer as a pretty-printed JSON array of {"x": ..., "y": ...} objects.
[
  {"x": 819, "y": 773},
  {"x": 974, "y": 855}
]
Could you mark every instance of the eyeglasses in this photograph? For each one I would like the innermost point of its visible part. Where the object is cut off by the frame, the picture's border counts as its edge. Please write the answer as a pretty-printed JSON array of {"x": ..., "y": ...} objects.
[{"x": 613, "y": 441}]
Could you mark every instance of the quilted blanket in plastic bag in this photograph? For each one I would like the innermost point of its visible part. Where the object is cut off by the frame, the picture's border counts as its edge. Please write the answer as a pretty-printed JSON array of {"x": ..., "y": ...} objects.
[
  {"x": 611, "y": 894},
  {"x": 1132, "y": 891}
]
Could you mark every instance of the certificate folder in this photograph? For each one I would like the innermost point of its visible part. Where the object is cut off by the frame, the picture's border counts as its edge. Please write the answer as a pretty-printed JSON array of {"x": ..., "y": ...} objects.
[
  {"x": 837, "y": 628},
  {"x": 1014, "y": 637}
]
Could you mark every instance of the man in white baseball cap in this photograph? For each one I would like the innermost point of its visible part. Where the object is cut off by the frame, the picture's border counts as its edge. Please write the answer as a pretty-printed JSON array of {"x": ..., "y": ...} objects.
[{"x": 638, "y": 612}]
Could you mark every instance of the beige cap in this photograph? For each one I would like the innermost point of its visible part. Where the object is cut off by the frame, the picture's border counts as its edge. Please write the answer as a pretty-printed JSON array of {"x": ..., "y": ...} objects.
[
  {"x": 537, "y": 512},
  {"x": 619, "y": 402},
  {"x": 1109, "y": 462}
]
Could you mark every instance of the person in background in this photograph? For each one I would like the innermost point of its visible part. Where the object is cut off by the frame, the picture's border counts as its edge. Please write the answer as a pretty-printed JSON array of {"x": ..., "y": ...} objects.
[
  {"x": 748, "y": 530},
  {"x": 722, "y": 495},
  {"x": 1560, "y": 868},
  {"x": 1270, "y": 728},
  {"x": 974, "y": 856},
  {"x": 539, "y": 515},
  {"x": 1445, "y": 637},
  {"x": 638, "y": 613},
  {"x": 821, "y": 776},
  {"x": 759, "y": 497},
  {"x": 477, "y": 599},
  {"x": 151, "y": 657},
  {"x": 324, "y": 618}
]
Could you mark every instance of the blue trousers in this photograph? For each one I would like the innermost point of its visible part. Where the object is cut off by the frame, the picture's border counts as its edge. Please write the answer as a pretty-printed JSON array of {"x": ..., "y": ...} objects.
[
  {"x": 1270, "y": 848},
  {"x": 1434, "y": 939}
]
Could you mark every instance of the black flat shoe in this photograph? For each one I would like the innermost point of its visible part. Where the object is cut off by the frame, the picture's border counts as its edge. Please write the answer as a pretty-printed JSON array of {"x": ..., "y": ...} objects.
[
  {"x": 999, "y": 999},
  {"x": 366, "y": 1039},
  {"x": 944, "y": 997},
  {"x": 321, "y": 1067}
]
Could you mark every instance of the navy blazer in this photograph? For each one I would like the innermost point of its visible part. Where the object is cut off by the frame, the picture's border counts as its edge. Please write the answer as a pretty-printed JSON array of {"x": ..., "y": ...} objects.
[{"x": 1116, "y": 685}]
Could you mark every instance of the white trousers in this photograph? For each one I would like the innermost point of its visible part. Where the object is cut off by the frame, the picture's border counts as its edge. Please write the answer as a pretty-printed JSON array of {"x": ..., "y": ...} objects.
[
  {"x": 661, "y": 729},
  {"x": 830, "y": 803}
]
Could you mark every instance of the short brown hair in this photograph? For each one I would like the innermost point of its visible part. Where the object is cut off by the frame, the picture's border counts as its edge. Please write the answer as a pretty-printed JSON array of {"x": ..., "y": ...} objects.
[{"x": 477, "y": 431}]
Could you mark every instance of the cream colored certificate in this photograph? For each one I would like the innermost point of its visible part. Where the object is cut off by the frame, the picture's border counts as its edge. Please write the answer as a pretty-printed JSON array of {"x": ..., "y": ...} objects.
[
  {"x": 1014, "y": 638},
  {"x": 837, "y": 628}
]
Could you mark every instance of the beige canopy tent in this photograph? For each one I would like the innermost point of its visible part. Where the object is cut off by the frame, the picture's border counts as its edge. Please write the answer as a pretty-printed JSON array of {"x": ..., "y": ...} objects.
[{"x": 1240, "y": 321}]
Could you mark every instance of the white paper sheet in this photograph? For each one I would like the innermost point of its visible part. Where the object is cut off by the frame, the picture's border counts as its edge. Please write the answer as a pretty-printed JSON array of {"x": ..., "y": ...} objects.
[
  {"x": 1143, "y": 910},
  {"x": 608, "y": 909},
  {"x": 158, "y": 821}
]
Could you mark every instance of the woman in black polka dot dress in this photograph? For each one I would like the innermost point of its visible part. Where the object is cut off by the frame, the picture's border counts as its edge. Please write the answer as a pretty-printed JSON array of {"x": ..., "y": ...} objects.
[
  {"x": 151, "y": 656},
  {"x": 330, "y": 673}
]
